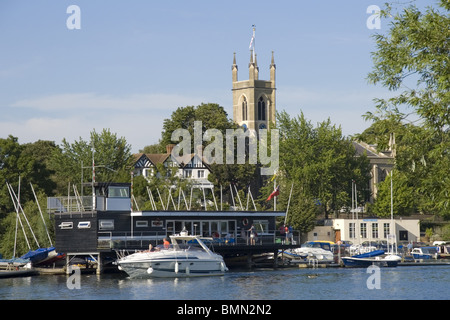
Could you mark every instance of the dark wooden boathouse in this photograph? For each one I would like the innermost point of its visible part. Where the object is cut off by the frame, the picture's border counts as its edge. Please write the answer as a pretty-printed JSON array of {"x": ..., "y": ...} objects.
[{"x": 99, "y": 226}]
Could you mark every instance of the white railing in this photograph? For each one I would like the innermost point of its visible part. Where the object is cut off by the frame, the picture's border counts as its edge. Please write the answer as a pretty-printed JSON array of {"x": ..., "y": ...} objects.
[{"x": 69, "y": 204}]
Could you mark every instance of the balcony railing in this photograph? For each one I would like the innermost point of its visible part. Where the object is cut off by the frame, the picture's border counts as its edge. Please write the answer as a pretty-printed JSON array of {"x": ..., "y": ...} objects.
[
  {"x": 69, "y": 204},
  {"x": 141, "y": 240}
]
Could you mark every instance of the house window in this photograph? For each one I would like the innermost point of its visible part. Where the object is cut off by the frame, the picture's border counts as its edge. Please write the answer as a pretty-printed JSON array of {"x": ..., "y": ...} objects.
[
  {"x": 66, "y": 225},
  {"x": 157, "y": 223},
  {"x": 352, "y": 230},
  {"x": 200, "y": 173},
  {"x": 118, "y": 192},
  {"x": 386, "y": 230},
  {"x": 403, "y": 235},
  {"x": 187, "y": 173},
  {"x": 261, "y": 109},
  {"x": 374, "y": 230},
  {"x": 84, "y": 225},
  {"x": 363, "y": 230},
  {"x": 261, "y": 226},
  {"x": 216, "y": 228},
  {"x": 141, "y": 224},
  {"x": 106, "y": 224}
]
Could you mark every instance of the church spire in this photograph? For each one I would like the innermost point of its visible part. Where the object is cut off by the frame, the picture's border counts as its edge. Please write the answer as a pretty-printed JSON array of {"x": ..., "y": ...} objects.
[
  {"x": 234, "y": 69},
  {"x": 272, "y": 69}
]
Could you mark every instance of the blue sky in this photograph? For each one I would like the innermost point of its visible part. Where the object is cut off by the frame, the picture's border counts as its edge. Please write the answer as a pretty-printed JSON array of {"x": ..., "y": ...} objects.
[{"x": 133, "y": 63}]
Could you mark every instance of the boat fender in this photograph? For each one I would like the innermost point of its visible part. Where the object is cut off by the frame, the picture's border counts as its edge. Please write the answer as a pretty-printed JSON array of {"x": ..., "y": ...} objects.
[
  {"x": 245, "y": 222},
  {"x": 188, "y": 271},
  {"x": 222, "y": 267},
  {"x": 149, "y": 270},
  {"x": 176, "y": 267}
]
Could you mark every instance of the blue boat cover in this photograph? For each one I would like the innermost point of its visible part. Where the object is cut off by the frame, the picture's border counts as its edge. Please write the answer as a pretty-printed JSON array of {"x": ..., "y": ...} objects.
[
  {"x": 369, "y": 254},
  {"x": 38, "y": 254}
]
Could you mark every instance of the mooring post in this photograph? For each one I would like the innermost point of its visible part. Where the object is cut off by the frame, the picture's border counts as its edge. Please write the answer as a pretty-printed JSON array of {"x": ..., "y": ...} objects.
[
  {"x": 249, "y": 260},
  {"x": 275, "y": 258},
  {"x": 67, "y": 264},
  {"x": 99, "y": 264}
]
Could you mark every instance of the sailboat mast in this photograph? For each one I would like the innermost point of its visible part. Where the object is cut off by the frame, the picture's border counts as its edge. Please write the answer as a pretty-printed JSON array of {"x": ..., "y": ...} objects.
[{"x": 42, "y": 216}]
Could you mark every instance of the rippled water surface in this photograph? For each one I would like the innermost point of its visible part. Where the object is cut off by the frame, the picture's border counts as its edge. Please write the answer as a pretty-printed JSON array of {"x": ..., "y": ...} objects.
[{"x": 406, "y": 282}]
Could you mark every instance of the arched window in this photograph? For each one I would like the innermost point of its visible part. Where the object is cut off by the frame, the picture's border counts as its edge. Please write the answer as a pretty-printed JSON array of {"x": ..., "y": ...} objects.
[
  {"x": 261, "y": 109},
  {"x": 244, "y": 109}
]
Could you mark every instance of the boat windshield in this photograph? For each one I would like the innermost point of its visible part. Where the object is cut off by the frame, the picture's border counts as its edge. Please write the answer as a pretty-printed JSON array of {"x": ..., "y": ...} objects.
[
  {"x": 189, "y": 246},
  {"x": 430, "y": 250},
  {"x": 322, "y": 245}
]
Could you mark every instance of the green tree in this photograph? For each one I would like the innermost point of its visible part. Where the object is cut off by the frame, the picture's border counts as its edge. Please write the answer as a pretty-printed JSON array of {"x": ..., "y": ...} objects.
[
  {"x": 302, "y": 212},
  {"x": 112, "y": 159},
  {"x": 416, "y": 49},
  {"x": 212, "y": 116},
  {"x": 320, "y": 161},
  {"x": 412, "y": 59},
  {"x": 403, "y": 199},
  {"x": 27, "y": 162},
  {"x": 25, "y": 240}
]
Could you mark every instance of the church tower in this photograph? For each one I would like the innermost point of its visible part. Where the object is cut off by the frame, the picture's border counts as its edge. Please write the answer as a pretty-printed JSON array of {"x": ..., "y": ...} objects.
[{"x": 253, "y": 99}]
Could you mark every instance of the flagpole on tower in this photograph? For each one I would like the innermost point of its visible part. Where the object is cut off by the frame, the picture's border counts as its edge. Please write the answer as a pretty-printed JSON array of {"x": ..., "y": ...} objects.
[{"x": 252, "y": 42}]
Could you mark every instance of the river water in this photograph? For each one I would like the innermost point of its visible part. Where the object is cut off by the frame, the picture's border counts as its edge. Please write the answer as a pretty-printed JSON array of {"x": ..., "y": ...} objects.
[{"x": 405, "y": 282}]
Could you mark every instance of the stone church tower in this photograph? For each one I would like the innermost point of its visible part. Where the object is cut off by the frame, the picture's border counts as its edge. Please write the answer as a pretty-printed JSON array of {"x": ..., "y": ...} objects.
[{"x": 253, "y": 99}]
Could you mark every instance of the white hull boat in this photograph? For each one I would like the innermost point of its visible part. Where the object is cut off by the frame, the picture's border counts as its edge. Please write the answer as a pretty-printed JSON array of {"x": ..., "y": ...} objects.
[
  {"x": 315, "y": 253},
  {"x": 187, "y": 256}
]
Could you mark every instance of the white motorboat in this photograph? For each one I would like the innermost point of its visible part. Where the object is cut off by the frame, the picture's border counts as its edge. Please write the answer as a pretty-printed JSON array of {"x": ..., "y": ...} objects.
[
  {"x": 315, "y": 253},
  {"x": 186, "y": 256}
]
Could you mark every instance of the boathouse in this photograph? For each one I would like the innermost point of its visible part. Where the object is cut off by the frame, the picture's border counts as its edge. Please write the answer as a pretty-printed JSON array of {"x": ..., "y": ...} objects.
[{"x": 98, "y": 226}]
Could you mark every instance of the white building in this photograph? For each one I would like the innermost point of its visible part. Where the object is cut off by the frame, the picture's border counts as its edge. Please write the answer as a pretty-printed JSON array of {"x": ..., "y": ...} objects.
[{"x": 366, "y": 229}]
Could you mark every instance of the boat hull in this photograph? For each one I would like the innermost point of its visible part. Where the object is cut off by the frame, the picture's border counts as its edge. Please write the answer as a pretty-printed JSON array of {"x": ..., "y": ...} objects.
[
  {"x": 194, "y": 260},
  {"x": 367, "y": 262},
  {"x": 173, "y": 269},
  {"x": 17, "y": 273},
  {"x": 423, "y": 256}
]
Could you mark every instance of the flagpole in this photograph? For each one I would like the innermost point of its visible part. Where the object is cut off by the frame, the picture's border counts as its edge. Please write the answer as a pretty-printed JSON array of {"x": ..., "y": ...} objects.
[
  {"x": 289, "y": 201},
  {"x": 252, "y": 43},
  {"x": 275, "y": 198}
]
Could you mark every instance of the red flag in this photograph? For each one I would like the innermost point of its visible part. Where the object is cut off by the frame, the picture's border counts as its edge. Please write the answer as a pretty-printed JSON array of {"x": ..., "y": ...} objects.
[{"x": 274, "y": 194}]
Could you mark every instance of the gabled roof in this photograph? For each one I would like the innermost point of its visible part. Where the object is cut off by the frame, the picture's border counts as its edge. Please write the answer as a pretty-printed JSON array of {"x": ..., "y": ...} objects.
[
  {"x": 146, "y": 160},
  {"x": 364, "y": 148},
  {"x": 185, "y": 160},
  {"x": 157, "y": 158}
]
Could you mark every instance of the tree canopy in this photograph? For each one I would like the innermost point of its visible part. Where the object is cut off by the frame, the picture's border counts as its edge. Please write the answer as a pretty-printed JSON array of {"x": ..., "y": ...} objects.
[
  {"x": 412, "y": 60},
  {"x": 72, "y": 162},
  {"x": 321, "y": 164}
]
